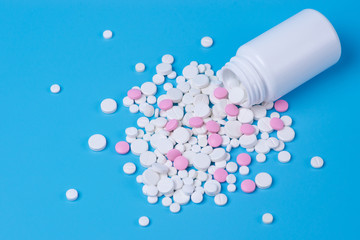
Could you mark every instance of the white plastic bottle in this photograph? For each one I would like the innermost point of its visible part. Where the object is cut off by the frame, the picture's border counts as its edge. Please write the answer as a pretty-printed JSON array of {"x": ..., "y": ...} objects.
[{"x": 283, "y": 58}]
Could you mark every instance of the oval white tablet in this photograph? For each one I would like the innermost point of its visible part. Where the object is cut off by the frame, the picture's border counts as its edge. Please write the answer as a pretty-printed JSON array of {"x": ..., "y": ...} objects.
[{"x": 55, "y": 88}]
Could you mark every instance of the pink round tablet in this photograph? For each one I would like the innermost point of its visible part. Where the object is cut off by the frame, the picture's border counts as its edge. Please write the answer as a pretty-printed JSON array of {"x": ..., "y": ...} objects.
[
  {"x": 220, "y": 175},
  {"x": 248, "y": 186},
  {"x": 122, "y": 147},
  {"x": 220, "y": 93},
  {"x": 196, "y": 122},
  {"x": 212, "y": 126},
  {"x": 247, "y": 129},
  {"x": 231, "y": 110},
  {"x": 281, "y": 106},
  {"x": 134, "y": 93},
  {"x": 243, "y": 159},
  {"x": 165, "y": 104},
  {"x": 215, "y": 140},
  {"x": 171, "y": 125},
  {"x": 172, "y": 154},
  {"x": 276, "y": 123},
  {"x": 181, "y": 163}
]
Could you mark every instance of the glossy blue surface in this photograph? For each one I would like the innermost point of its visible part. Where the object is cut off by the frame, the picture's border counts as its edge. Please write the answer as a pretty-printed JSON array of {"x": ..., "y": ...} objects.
[{"x": 43, "y": 137}]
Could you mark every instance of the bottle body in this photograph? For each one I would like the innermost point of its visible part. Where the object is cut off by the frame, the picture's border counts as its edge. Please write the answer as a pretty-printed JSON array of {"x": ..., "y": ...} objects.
[{"x": 283, "y": 58}]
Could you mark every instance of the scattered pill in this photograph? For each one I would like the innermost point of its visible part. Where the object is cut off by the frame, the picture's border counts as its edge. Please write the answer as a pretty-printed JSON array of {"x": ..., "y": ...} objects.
[
  {"x": 107, "y": 34},
  {"x": 243, "y": 159},
  {"x": 72, "y": 194},
  {"x": 317, "y": 162},
  {"x": 108, "y": 105},
  {"x": 134, "y": 94},
  {"x": 97, "y": 142},
  {"x": 129, "y": 168},
  {"x": 263, "y": 180},
  {"x": 167, "y": 58},
  {"x": 207, "y": 42},
  {"x": 281, "y": 106},
  {"x": 248, "y": 186},
  {"x": 267, "y": 218},
  {"x": 140, "y": 67},
  {"x": 55, "y": 88},
  {"x": 144, "y": 221},
  {"x": 220, "y": 199},
  {"x": 122, "y": 147},
  {"x": 284, "y": 156}
]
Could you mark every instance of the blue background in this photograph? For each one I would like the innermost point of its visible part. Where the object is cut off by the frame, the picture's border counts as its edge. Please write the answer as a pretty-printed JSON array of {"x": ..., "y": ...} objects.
[{"x": 43, "y": 137}]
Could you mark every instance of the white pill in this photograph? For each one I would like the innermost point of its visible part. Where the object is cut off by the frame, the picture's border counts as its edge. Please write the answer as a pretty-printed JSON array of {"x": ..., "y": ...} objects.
[
  {"x": 174, "y": 94},
  {"x": 168, "y": 86},
  {"x": 131, "y": 132},
  {"x": 148, "y": 88},
  {"x": 248, "y": 141},
  {"x": 212, "y": 187},
  {"x": 231, "y": 187},
  {"x": 149, "y": 110},
  {"x": 129, "y": 168},
  {"x": 264, "y": 125},
  {"x": 231, "y": 178},
  {"x": 286, "y": 120},
  {"x": 267, "y": 218},
  {"x": 144, "y": 221},
  {"x": 280, "y": 147},
  {"x": 158, "y": 79},
  {"x": 147, "y": 159},
  {"x": 152, "y": 199},
  {"x": 165, "y": 185},
  {"x": 236, "y": 95},
  {"x": 142, "y": 122},
  {"x": 190, "y": 71},
  {"x": 317, "y": 162},
  {"x": 245, "y": 115},
  {"x": 207, "y": 42},
  {"x": 172, "y": 75},
  {"x": 97, "y": 142},
  {"x": 166, "y": 201},
  {"x": 231, "y": 167},
  {"x": 72, "y": 194},
  {"x": 200, "y": 81},
  {"x": 260, "y": 157},
  {"x": 181, "y": 135},
  {"x": 139, "y": 146},
  {"x": 264, "y": 135},
  {"x": 202, "y": 110},
  {"x": 263, "y": 180},
  {"x": 259, "y": 111},
  {"x": 284, "y": 156},
  {"x": 180, "y": 197},
  {"x": 128, "y": 101},
  {"x": 197, "y": 197},
  {"x": 175, "y": 207},
  {"x": 287, "y": 134},
  {"x": 134, "y": 108},
  {"x": 244, "y": 170},
  {"x": 163, "y": 69},
  {"x": 218, "y": 155},
  {"x": 108, "y": 105},
  {"x": 150, "y": 177},
  {"x": 164, "y": 145},
  {"x": 107, "y": 34},
  {"x": 139, "y": 179},
  {"x": 275, "y": 114},
  {"x": 167, "y": 58},
  {"x": 55, "y": 88},
  {"x": 220, "y": 199},
  {"x": 140, "y": 67}
]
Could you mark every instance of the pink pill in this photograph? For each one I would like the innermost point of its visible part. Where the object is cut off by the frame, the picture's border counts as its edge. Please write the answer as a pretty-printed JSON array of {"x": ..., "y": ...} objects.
[
  {"x": 196, "y": 122},
  {"x": 171, "y": 125},
  {"x": 181, "y": 163},
  {"x": 172, "y": 154},
  {"x": 248, "y": 186},
  {"x": 122, "y": 147},
  {"x": 212, "y": 126},
  {"x": 243, "y": 159},
  {"x": 215, "y": 140},
  {"x": 231, "y": 110},
  {"x": 165, "y": 104},
  {"x": 276, "y": 123},
  {"x": 220, "y": 175},
  {"x": 247, "y": 129},
  {"x": 220, "y": 93},
  {"x": 134, "y": 94},
  {"x": 281, "y": 106}
]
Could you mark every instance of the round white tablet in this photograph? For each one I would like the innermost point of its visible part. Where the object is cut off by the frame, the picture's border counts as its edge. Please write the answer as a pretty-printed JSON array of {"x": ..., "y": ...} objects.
[
  {"x": 148, "y": 88},
  {"x": 108, "y": 105},
  {"x": 267, "y": 218},
  {"x": 284, "y": 156},
  {"x": 175, "y": 207},
  {"x": 231, "y": 167},
  {"x": 144, "y": 221},
  {"x": 107, "y": 34},
  {"x": 55, "y": 88},
  {"x": 167, "y": 58},
  {"x": 139, "y": 146},
  {"x": 72, "y": 194},
  {"x": 158, "y": 79},
  {"x": 190, "y": 71},
  {"x": 231, "y": 187},
  {"x": 163, "y": 69},
  {"x": 236, "y": 95},
  {"x": 165, "y": 185},
  {"x": 207, "y": 41},
  {"x": 140, "y": 67},
  {"x": 244, "y": 170},
  {"x": 129, "y": 168},
  {"x": 317, "y": 162},
  {"x": 263, "y": 180},
  {"x": 197, "y": 197},
  {"x": 97, "y": 142},
  {"x": 220, "y": 199},
  {"x": 287, "y": 134},
  {"x": 260, "y": 157}
]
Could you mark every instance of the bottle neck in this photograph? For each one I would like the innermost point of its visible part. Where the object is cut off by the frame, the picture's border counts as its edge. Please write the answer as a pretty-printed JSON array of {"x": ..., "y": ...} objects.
[{"x": 240, "y": 71}]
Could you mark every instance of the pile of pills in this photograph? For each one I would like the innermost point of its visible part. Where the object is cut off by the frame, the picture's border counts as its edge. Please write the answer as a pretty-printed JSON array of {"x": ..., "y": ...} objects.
[{"x": 184, "y": 137}]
